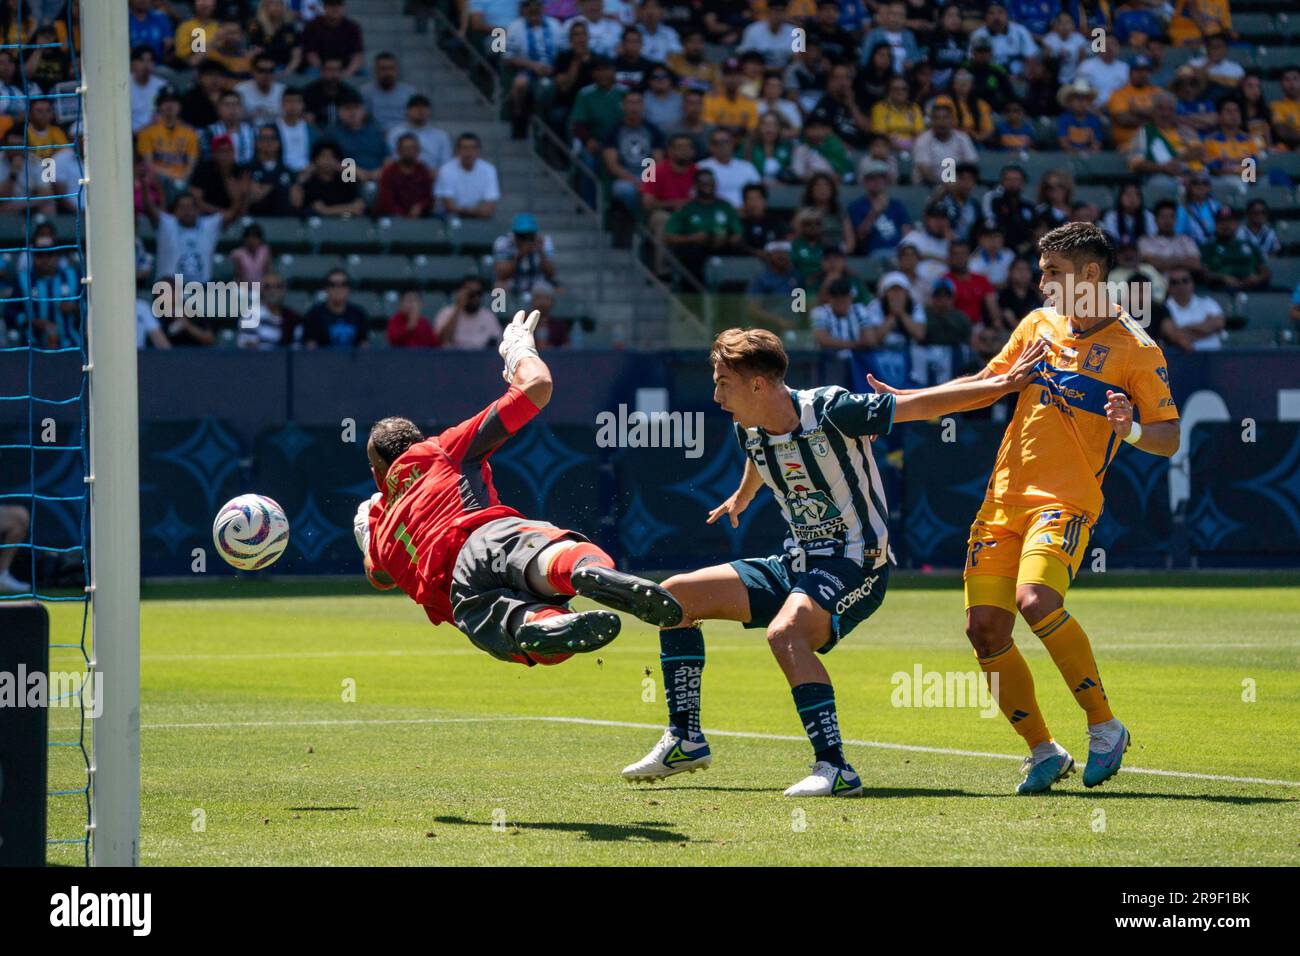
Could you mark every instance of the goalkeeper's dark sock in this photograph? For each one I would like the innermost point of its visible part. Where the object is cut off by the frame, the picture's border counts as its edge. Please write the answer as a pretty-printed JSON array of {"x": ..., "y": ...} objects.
[
  {"x": 816, "y": 706},
  {"x": 681, "y": 656}
]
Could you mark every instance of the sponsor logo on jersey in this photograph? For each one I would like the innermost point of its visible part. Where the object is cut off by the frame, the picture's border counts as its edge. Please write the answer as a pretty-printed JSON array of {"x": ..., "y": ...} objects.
[
  {"x": 823, "y": 573},
  {"x": 809, "y": 507},
  {"x": 857, "y": 594}
]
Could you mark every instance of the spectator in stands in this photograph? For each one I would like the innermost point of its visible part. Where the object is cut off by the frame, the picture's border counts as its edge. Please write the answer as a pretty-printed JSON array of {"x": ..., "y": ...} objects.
[
  {"x": 603, "y": 33},
  {"x": 359, "y": 138},
  {"x": 807, "y": 75},
  {"x": 945, "y": 42},
  {"x": 523, "y": 256},
  {"x": 990, "y": 79},
  {"x": 1007, "y": 208},
  {"x": 144, "y": 180},
  {"x": 435, "y": 145},
  {"x": 554, "y": 332},
  {"x": 875, "y": 224},
  {"x": 187, "y": 241},
  {"x": 274, "y": 33},
  {"x": 772, "y": 99},
  {"x": 50, "y": 294},
  {"x": 840, "y": 108},
  {"x": 13, "y": 99},
  {"x": 1132, "y": 106},
  {"x": 841, "y": 322},
  {"x": 597, "y": 110},
  {"x": 822, "y": 193},
  {"x": 1230, "y": 150},
  {"x": 705, "y": 226},
  {"x": 1164, "y": 149},
  {"x": 1257, "y": 231},
  {"x": 663, "y": 102},
  {"x": 533, "y": 43},
  {"x": 1055, "y": 197},
  {"x": 1078, "y": 129},
  {"x": 252, "y": 257},
  {"x": 1104, "y": 71},
  {"x": 49, "y": 62},
  {"x": 276, "y": 324},
  {"x": 941, "y": 147},
  {"x": 1286, "y": 111},
  {"x": 271, "y": 182},
  {"x": 219, "y": 182},
  {"x": 199, "y": 104},
  {"x": 387, "y": 95},
  {"x": 759, "y": 224},
  {"x": 1198, "y": 209},
  {"x": 1194, "y": 323},
  {"x": 660, "y": 40},
  {"x": 895, "y": 322},
  {"x": 408, "y": 328},
  {"x": 465, "y": 323},
  {"x": 835, "y": 266},
  {"x": 333, "y": 36},
  {"x": 335, "y": 322},
  {"x": 151, "y": 29},
  {"x": 231, "y": 124},
  {"x": 633, "y": 147},
  {"x": 261, "y": 95},
  {"x": 1129, "y": 219},
  {"x": 1167, "y": 248},
  {"x": 322, "y": 96},
  {"x": 168, "y": 145},
  {"x": 144, "y": 86},
  {"x": 772, "y": 36},
  {"x": 298, "y": 135},
  {"x": 692, "y": 124},
  {"x": 974, "y": 115},
  {"x": 1013, "y": 131},
  {"x": 1065, "y": 47},
  {"x": 726, "y": 107},
  {"x": 572, "y": 72},
  {"x": 931, "y": 243},
  {"x": 731, "y": 173},
  {"x": 1256, "y": 111},
  {"x": 768, "y": 295},
  {"x": 43, "y": 136},
  {"x": 820, "y": 152},
  {"x": 1231, "y": 262},
  {"x": 467, "y": 186},
  {"x": 230, "y": 49},
  {"x": 195, "y": 36},
  {"x": 1195, "y": 106},
  {"x": 324, "y": 190},
  {"x": 891, "y": 30},
  {"x": 1040, "y": 89},
  {"x": 148, "y": 331},
  {"x": 694, "y": 69},
  {"x": 991, "y": 258},
  {"x": 958, "y": 202},
  {"x": 479, "y": 17},
  {"x": 1222, "y": 73},
  {"x": 1132, "y": 272},
  {"x": 631, "y": 68},
  {"x": 668, "y": 191},
  {"x": 405, "y": 185},
  {"x": 769, "y": 152},
  {"x": 806, "y": 247},
  {"x": 974, "y": 294},
  {"x": 947, "y": 336},
  {"x": 1012, "y": 43},
  {"x": 898, "y": 117},
  {"x": 1018, "y": 298}
]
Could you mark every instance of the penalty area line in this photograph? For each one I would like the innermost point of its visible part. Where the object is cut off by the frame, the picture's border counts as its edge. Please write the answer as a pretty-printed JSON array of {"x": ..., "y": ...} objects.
[{"x": 743, "y": 734}]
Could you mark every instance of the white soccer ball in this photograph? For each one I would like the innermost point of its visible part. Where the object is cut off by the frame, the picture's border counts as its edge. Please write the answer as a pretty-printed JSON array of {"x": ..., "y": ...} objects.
[{"x": 250, "y": 532}]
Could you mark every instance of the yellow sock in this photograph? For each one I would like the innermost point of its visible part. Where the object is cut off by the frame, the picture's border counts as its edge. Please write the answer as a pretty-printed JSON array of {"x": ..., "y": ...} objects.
[
  {"x": 1072, "y": 653},
  {"x": 1015, "y": 693}
]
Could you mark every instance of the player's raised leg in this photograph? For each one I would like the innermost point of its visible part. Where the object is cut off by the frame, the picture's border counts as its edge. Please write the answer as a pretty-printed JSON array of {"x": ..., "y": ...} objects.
[
  {"x": 715, "y": 593},
  {"x": 568, "y": 567}
]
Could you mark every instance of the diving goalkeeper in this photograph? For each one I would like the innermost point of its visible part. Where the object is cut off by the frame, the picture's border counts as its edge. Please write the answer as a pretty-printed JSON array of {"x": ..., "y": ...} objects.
[{"x": 438, "y": 530}]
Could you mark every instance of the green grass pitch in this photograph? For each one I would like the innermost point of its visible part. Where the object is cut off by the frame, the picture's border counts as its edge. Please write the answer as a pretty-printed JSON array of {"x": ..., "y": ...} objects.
[{"x": 253, "y": 755}]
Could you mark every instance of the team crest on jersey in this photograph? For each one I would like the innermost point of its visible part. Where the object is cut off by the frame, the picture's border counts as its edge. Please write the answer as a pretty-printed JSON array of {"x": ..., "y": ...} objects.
[
  {"x": 818, "y": 443},
  {"x": 809, "y": 506},
  {"x": 1096, "y": 358}
]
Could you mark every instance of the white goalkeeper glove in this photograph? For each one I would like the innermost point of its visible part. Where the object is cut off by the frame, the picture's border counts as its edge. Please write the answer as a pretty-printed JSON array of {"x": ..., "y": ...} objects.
[
  {"x": 361, "y": 522},
  {"x": 517, "y": 342}
]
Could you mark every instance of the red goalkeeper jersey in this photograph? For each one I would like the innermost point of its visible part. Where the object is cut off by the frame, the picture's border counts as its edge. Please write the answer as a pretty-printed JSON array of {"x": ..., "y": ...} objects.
[{"x": 435, "y": 494}]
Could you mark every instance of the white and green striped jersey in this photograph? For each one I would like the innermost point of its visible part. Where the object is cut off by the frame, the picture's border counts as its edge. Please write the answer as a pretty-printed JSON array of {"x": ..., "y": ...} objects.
[{"x": 823, "y": 476}]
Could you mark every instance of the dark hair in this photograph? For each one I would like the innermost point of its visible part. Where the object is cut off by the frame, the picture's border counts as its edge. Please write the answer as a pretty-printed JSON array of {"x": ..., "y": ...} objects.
[
  {"x": 1080, "y": 242},
  {"x": 754, "y": 352},
  {"x": 323, "y": 145},
  {"x": 253, "y": 229},
  {"x": 468, "y": 137},
  {"x": 839, "y": 287},
  {"x": 754, "y": 188},
  {"x": 1165, "y": 204},
  {"x": 140, "y": 52}
]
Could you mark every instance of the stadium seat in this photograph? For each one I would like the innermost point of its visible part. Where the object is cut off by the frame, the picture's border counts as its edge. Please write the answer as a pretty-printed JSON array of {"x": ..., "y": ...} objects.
[
  {"x": 411, "y": 235},
  {"x": 913, "y": 198},
  {"x": 1105, "y": 168},
  {"x": 371, "y": 303},
  {"x": 784, "y": 196},
  {"x": 1256, "y": 26},
  {"x": 731, "y": 271},
  {"x": 306, "y": 271},
  {"x": 1288, "y": 233},
  {"x": 440, "y": 272},
  {"x": 1103, "y": 196},
  {"x": 1267, "y": 308},
  {"x": 1288, "y": 163},
  {"x": 283, "y": 234},
  {"x": 347, "y": 235},
  {"x": 379, "y": 271},
  {"x": 474, "y": 235},
  {"x": 867, "y": 268}
]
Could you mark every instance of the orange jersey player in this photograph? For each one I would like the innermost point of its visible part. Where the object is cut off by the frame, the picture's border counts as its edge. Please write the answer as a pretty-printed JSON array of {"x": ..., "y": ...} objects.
[
  {"x": 1103, "y": 384},
  {"x": 438, "y": 530}
]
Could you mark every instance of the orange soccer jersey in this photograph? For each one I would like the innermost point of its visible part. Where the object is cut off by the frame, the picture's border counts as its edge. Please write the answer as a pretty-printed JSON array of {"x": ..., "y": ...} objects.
[{"x": 1058, "y": 445}]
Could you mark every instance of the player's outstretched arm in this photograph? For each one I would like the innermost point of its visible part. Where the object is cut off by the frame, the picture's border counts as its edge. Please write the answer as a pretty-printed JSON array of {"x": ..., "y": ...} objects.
[
  {"x": 734, "y": 506},
  {"x": 524, "y": 368},
  {"x": 983, "y": 389}
]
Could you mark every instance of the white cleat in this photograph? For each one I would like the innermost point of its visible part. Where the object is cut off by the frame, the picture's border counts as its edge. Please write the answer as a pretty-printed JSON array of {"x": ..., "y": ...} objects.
[
  {"x": 671, "y": 755},
  {"x": 827, "y": 780}
]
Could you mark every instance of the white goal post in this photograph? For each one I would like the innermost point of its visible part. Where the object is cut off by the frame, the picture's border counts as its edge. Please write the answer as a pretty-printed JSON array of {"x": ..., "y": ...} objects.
[{"x": 114, "y": 440}]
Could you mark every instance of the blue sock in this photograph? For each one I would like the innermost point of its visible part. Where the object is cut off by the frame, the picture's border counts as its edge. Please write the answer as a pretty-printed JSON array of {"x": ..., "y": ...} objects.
[
  {"x": 681, "y": 655},
  {"x": 816, "y": 706}
]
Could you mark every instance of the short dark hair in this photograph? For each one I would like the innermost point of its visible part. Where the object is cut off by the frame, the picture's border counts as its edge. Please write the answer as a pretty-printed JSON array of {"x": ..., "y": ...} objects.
[
  {"x": 754, "y": 352},
  {"x": 468, "y": 137},
  {"x": 1165, "y": 204},
  {"x": 754, "y": 188},
  {"x": 1080, "y": 242},
  {"x": 391, "y": 437}
]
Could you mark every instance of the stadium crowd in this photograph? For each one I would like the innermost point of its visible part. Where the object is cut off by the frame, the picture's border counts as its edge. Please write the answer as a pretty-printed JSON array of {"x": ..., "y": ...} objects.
[{"x": 895, "y": 159}]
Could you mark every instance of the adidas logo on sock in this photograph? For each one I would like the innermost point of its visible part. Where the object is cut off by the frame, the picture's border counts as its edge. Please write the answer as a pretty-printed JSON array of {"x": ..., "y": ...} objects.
[
  {"x": 1087, "y": 684},
  {"x": 1018, "y": 715}
]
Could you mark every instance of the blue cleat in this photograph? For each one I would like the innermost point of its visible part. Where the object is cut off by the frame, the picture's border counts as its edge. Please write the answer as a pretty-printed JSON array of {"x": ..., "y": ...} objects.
[
  {"x": 1040, "y": 776},
  {"x": 1104, "y": 764}
]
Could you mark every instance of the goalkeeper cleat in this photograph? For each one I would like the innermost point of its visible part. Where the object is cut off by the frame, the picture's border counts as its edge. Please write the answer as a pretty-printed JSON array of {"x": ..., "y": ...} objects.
[
  {"x": 1104, "y": 762},
  {"x": 671, "y": 755},
  {"x": 626, "y": 592},
  {"x": 578, "y": 633},
  {"x": 1040, "y": 776},
  {"x": 828, "y": 780}
]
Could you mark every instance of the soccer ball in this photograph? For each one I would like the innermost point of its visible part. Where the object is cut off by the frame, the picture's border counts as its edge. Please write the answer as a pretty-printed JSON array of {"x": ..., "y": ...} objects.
[{"x": 250, "y": 532}]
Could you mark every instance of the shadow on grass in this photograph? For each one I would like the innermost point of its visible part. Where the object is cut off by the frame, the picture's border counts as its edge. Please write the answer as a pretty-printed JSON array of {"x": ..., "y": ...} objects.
[
  {"x": 651, "y": 831},
  {"x": 321, "y": 809}
]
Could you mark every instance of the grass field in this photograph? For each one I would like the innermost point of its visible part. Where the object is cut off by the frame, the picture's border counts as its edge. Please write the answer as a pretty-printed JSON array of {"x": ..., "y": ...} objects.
[{"x": 251, "y": 755}]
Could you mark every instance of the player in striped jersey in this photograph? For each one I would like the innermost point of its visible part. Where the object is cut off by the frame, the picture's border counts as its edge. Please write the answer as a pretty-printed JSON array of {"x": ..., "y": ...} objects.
[
  {"x": 1103, "y": 383},
  {"x": 811, "y": 447}
]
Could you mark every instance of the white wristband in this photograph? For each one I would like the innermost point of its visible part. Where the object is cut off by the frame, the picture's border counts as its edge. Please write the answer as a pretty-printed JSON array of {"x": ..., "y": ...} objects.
[{"x": 1135, "y": 435}]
